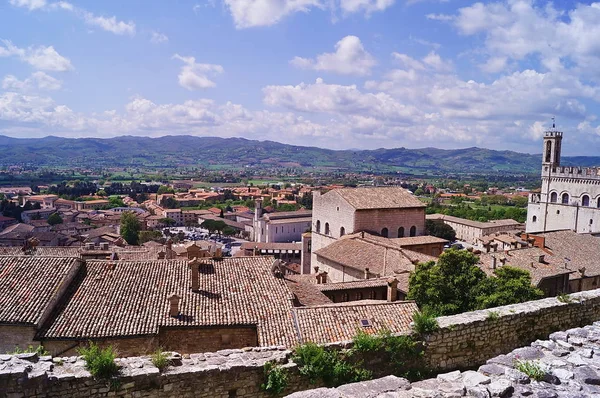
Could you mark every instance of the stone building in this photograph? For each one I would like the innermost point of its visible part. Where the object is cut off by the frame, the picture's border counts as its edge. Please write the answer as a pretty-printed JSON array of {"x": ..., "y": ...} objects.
[
  {"x": 280, "y": 227},
  {"x": 570, "y": 195},
  {"x": 471, "y": 231},
  {"x": 390, "y": 212}
]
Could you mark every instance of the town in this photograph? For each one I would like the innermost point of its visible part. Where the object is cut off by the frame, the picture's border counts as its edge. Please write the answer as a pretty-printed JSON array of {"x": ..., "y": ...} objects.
[{"x": 175, "y": 268}]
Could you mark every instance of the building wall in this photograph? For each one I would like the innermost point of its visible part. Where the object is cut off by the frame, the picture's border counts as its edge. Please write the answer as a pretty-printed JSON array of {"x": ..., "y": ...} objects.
[
  {"x": 282, "y": 233},
  {"x": 12, "y": 336},
  {"x": 367, "y": 293},
  {"x": 392, "y": 219},
  {"x": 190, "y": 340},
  {"x": 337, "y": 272},
  {"x": 125, "y": 346}
]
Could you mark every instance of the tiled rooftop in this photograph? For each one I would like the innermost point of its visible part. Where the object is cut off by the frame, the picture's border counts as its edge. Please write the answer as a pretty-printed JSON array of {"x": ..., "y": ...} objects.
[
  {"x": 340, "y": 322},
  {"x": 130, "y": 298},
  {"x": 475, "y": 224},
  {"x": 28, "y": 285},
  {"x": 379, "y": 198}
]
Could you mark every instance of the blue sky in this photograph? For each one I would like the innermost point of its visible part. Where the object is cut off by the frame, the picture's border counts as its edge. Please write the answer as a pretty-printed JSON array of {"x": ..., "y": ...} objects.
[{"x": 331, "y": 73}]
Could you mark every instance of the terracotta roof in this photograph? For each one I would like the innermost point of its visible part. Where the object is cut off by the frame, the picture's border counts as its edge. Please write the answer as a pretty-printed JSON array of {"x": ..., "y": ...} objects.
[
  {"x": 476, "y": 224},
  {"x": 94, "y": 233},
  {"x": 363, "y": 283},
  {"x": 526, "y": 259},
  {"x": 29, "y": 286},
  {"x": 17, "y": 229},
  {"x": 340, "y": 322},
  {"x": 287, "y": 214},
  {"x": 306, "y": 293},
  {"x": 418, "y": 240},
  {"x": 361, "y": 254},
  {"x": 577, "y": 250},
  {"x": 131, "y": 299},
  {"x": 378, "y": 198},
  {"x": 290, "y": 220}
]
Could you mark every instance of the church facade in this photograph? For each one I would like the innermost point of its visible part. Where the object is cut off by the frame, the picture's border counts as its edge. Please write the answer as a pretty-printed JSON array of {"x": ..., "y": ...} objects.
[{"x": 569, "y": 197}]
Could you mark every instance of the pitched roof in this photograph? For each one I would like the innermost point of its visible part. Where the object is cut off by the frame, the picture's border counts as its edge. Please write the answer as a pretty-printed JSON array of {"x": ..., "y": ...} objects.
[
  {"x": 130, "y": 298},
  {"x": 476, "y": 224},
  {"x": 17, "y": 229},
  {"x": 576, "y": 250},
  {"x": 340, "y": 322},
  {"x": 29, "y": 286},
  {"x": 379, "y": 198},
  {"x": 306, "y": 293}
]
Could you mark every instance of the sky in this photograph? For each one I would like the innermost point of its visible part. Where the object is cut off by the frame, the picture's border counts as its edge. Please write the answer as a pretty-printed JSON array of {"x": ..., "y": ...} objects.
[{"x": 336, "y": 74}]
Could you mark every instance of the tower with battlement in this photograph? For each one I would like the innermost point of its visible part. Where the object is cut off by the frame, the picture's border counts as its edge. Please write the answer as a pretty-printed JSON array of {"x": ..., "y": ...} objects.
[{"x": 569, "y": 197}]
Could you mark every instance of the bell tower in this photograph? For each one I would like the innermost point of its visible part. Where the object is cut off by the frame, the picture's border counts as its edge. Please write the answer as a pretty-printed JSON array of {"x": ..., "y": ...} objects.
[{"x": 552, "y": 146}]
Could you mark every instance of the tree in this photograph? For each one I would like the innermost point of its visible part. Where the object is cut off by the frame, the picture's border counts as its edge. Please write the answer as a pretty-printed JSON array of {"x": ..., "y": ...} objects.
[
  {"x": 229, "y": 231},
  {"x": 147, "y": 236},
  {"x": 130, "y": 228},
  {"x": 163, "y": 189},
  {"x": 167, "y": 221},
  {"x": 448, "y": 287},
  {"x": 440, "y": 229},
  {"x": 55, "y": 219},
  {"x": 509, "y": 286}
]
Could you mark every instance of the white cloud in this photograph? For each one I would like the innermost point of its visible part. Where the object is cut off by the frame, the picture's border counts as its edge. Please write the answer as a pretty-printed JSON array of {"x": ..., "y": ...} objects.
[
  {"x": 110, "y": 24},
  {"x": 158, "y": 38},
  {"x": 439, "y": 17},
  {"x": 29, "y": 4},
  {"x": 408, "y": 61},
  {"x": 194, "y": 76},
  {"x": 337, "y": 99},
  {"x": 436, "y": 62},
  {"x": 349, "y": 58},
  {"x": 37, "y": 81},
  {"x": 367, "y": 6},
  {"x": 494, "y": 65},
  {"x": 41, "y": 57},
  {"x": 251, "y": 13}
]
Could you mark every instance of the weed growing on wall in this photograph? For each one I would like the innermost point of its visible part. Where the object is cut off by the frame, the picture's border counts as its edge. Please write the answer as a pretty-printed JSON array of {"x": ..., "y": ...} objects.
[
  {"x": 99, "y": 362},
  {"x": 275, "y": 379},
  {"x": 424, "y": 323},
  {"x": 160, "y": 359}
]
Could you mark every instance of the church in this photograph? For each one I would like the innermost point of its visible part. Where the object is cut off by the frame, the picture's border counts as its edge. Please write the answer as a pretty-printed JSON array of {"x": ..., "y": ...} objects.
[{"x": 569, "y": 197}]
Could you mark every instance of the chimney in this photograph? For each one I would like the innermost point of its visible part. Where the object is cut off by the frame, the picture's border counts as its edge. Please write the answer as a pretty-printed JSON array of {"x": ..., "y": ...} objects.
[
  {"x": 316, "y": 268},
  {"x": 493, "y": 262},
  {"x": 392, "y": 290},
  {"x": 174, "y": 305},
  {"x": 169, "y": 244},
  {"x": 161, "y": 255},
  {"x": 104, "y": 246},
  {"x": 324, "y": 277},
  {"x": 542, "y": 259},
  {"x": 193, "y": 265},
  {"x": 367, "y": 273},
  {"x": 503, "y": 260}
]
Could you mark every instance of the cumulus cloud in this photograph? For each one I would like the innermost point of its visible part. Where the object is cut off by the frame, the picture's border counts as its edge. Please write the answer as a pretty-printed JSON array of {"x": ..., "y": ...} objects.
[
  {"x": 349, "y": 58},
  {"x": 253, "y": 13},
  {"x": 194, "y": 76},
  {"x": 37, "y": 81},
  {"x": 41, "y": 57},
  {"x": 29, "y": 4},
  {"x": 158, "y": 38},
  {"x": 109, "y": 24}
]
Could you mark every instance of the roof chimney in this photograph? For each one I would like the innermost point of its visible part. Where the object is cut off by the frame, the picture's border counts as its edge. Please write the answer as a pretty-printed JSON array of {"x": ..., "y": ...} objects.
[
  {"x": 104, "y": 246},
  {"x": 316, "y": 268},
  {"x": 161, "y": 255},
  {"x": 169, "y": 244},
  {"x": 367, "y": 273},
  {"x": 174, "y": 305},
  {"x": 193, "y": 265},
  {"x": 503, "y": 260},
  {"x": 542, "y": 258},
  {"x": 392, "y": 289},
  {"x": 324, "y": 277},
  {"x": 493, "y": 262}
]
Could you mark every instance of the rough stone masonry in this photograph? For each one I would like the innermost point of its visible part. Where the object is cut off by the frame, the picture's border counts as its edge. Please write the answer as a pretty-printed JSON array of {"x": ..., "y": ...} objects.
[{"x": 569, "y": 365}]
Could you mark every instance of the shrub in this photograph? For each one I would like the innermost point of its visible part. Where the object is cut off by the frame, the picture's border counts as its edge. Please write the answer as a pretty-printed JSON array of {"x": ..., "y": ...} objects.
[
  {"x": 332, "y": 367},
  {"x": 40, "y": 350},
  {"x": 99, "y": 362},
  {"x": 531, "y": 369},
  {"x": 160, "y": 359},
  {"x": 275, "y": 378},
  {"x": 364, "y": 342},
  {"x": 492, "y": 315},
  {"x": 424, "y": 322}
]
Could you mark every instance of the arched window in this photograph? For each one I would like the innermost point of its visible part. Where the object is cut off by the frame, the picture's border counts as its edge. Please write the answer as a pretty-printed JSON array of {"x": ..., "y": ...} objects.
[
  {"x": 318, "y": 226},
  {"x": 342, "y": 231},
  {"x": 598, "y": 204},
  {"x": 413, "y": 231},
  {"x": 384, "y": 232},
  {"x": 585, "y": 201},
  {"x": 326, "y": 228},
  {"x": 565, "y": 198},
  {"x": 553, "y": 197},
  {"x": 534, "y": 219},
  {"x": 548, "y": 151},
  {"x": 401, "y": 232}
]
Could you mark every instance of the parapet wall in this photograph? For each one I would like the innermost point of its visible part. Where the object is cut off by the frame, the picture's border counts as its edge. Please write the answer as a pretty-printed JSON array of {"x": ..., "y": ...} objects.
[
  {"x": 463, "y": 341},
  {"x": 574, "y": 172}
]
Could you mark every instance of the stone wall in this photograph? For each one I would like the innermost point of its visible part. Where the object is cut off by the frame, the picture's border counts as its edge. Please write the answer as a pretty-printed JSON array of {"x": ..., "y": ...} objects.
[{"x": 463, "y": 341}]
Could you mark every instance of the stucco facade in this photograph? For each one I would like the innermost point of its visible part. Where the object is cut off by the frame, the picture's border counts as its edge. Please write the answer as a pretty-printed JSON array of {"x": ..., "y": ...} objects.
[{"x": 570, "y": 196}]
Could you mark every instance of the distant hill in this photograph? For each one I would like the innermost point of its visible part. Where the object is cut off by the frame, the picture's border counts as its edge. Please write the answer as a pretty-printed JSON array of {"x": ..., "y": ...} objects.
[{"x": 239, "y": 152}]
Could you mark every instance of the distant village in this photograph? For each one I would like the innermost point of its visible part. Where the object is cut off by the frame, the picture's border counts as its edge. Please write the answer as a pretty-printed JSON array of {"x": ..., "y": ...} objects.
[{"x": 203, "y": 272}]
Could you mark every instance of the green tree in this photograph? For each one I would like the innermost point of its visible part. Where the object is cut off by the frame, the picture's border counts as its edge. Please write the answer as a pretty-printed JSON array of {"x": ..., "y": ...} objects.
[
  {"x": 509, "y": 286},
  {"x": 448, "y": 287},
  {"x": 147, "y": 236},
  {"x": 130, "y": 228},
  {"x": 163, "y": 189},
  {"x": 229, "y": 231},
  {"x": 55, "y": 219},
  {"x": 440, "y": 229},
  {"x": 167, "y": 221}
]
